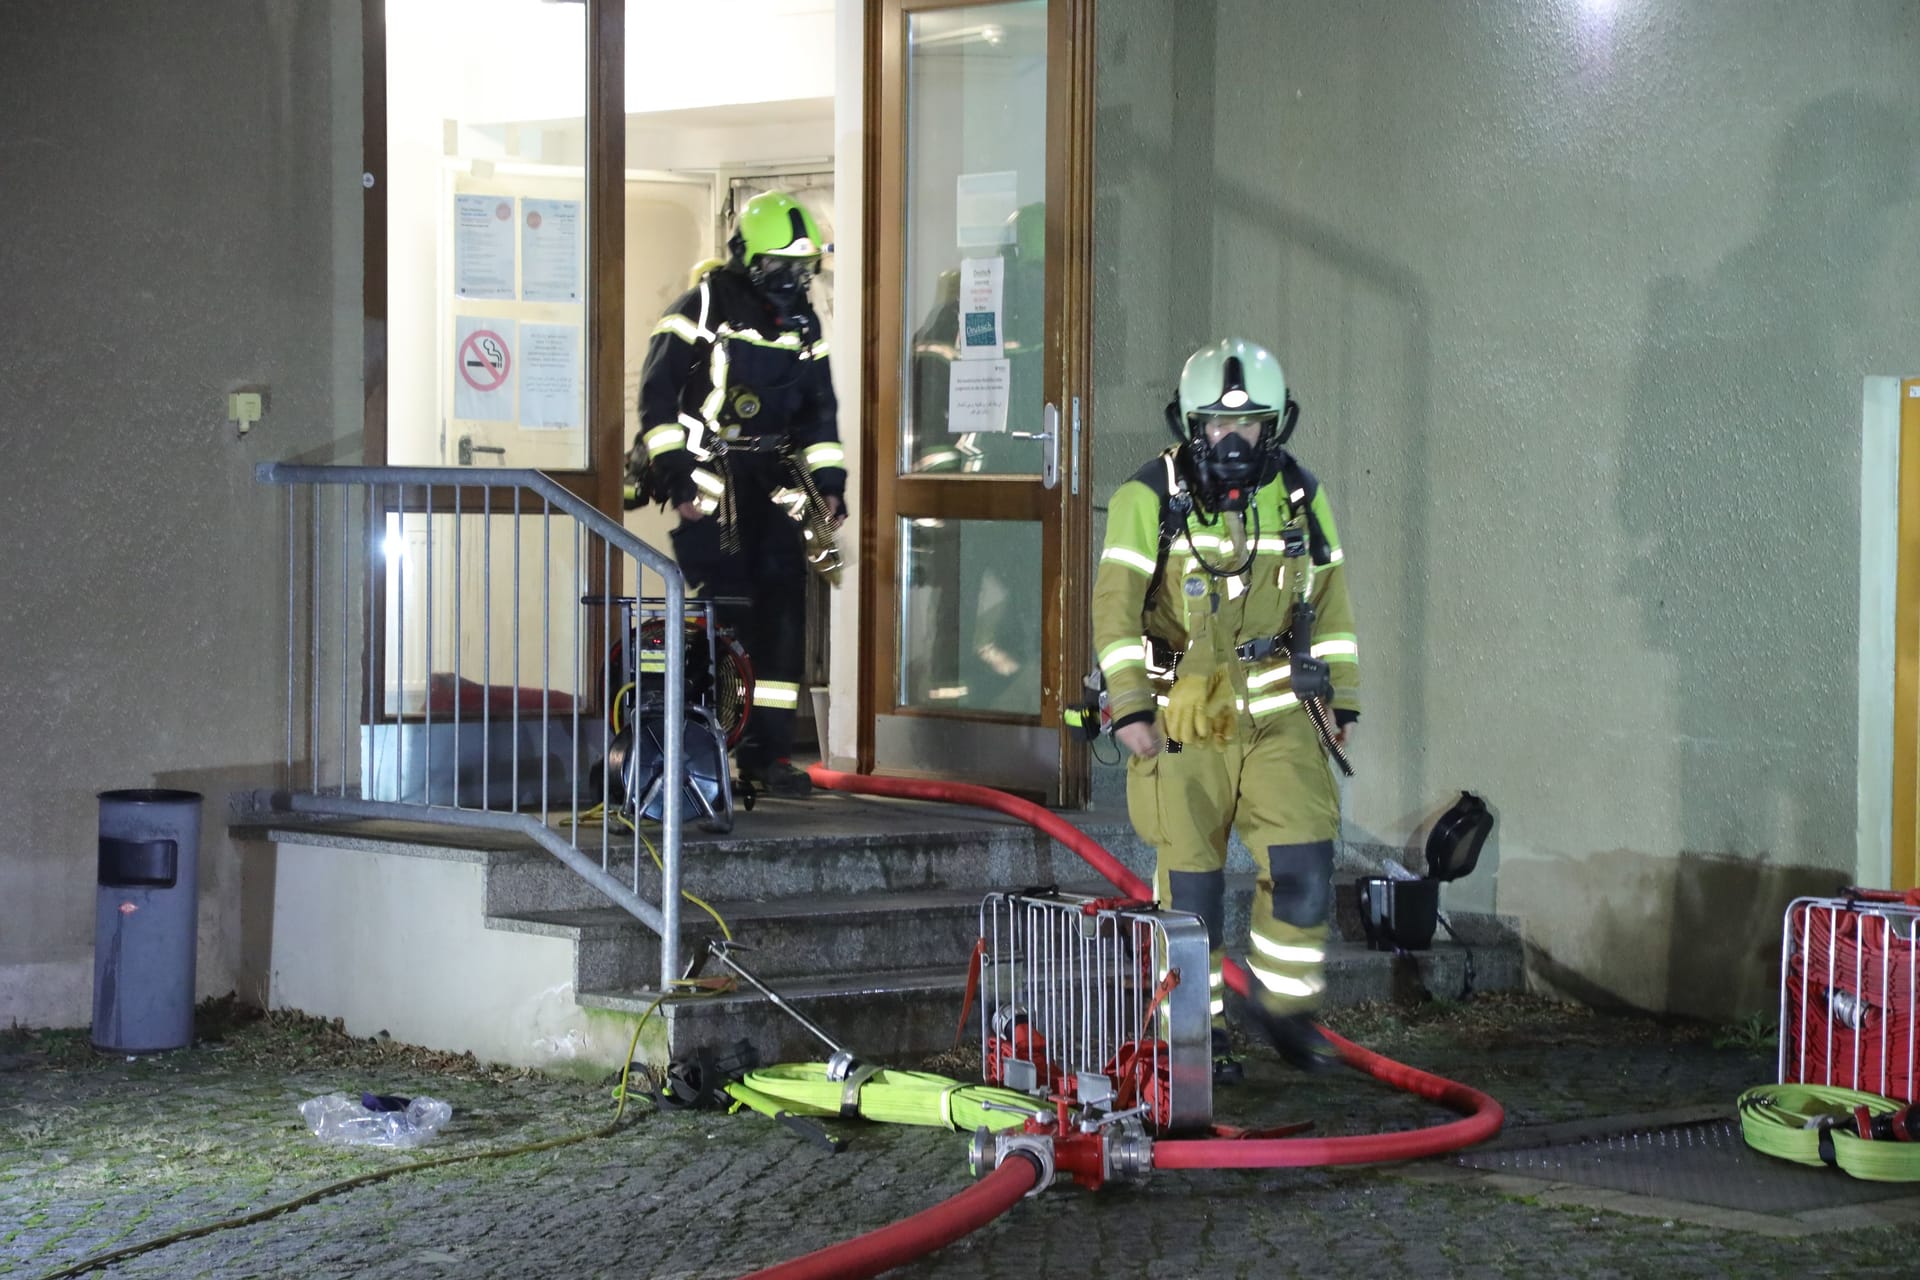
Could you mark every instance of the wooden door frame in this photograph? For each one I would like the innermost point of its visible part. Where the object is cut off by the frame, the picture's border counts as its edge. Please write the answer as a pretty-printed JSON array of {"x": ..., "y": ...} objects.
[
  {"x": 1906, "y": 650},
  {"x": 1068, "y": 377}
]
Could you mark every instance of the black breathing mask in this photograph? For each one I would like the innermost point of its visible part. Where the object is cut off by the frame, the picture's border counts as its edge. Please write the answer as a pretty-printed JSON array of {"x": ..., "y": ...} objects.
[
  {"x": 1228, "y": 473},
  {"x": 783, "y": 282},
  {"x": 1231, "y": 469}
]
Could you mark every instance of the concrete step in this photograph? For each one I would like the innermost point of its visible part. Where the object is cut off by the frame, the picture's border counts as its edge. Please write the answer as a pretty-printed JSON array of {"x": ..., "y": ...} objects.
[
  {"x": 885, "y": 1016},
  {"x": 773, "y": 869},
  {"x": 895, "y": 1015},
  {"x": 818, "y": 934}
]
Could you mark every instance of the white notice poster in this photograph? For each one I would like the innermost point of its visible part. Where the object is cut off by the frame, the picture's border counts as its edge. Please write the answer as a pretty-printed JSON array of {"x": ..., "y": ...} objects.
[
  {"x": 977, "y": 395},
  {"x": 549, "y": 376},
  {"x": 980, "y": 312},
  {"x": 483, "y": 246},
  {"x": 985, "y": 207},
  {"x": 550, "y": 250},
  {"x": 483, "y": 362}
]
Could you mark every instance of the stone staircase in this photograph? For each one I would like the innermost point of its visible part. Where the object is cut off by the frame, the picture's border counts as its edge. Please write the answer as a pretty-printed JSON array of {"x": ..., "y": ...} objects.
[{"x": 862, "y": 913}]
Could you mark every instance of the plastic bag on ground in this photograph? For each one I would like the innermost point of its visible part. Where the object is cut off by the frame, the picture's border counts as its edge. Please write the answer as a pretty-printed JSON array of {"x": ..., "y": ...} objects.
[{"x": 336, "y": 1118}]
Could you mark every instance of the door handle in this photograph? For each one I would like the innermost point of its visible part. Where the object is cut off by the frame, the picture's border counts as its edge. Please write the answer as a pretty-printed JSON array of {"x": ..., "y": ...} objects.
[
  {"x": 468, "y": 448},
  {"x": 1049, "y": 439}
]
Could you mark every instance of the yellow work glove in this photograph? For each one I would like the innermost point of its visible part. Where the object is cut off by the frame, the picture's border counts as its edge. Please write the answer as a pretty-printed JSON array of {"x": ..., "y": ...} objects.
[
  {"x": 1200, "y": 709},
  {"x": 1222, "y": 716},
  {"x": 1186, "y": 714}
]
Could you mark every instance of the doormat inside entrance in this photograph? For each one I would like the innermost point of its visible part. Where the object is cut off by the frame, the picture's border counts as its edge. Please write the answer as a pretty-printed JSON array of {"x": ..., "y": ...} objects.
[{"x": 1706, "y": 1162}]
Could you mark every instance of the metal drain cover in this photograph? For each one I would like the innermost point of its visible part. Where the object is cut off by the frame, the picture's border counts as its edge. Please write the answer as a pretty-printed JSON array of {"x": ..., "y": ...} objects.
[{"x": 1705, "y": 1162}]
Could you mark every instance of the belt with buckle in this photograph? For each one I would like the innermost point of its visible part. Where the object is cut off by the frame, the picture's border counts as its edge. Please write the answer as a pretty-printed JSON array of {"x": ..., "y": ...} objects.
[{"x": 1262, "y": 649}]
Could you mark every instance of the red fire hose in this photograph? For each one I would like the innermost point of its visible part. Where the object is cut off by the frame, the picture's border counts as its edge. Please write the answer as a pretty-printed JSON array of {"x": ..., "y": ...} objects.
[
  {"x": 1481, "y": 1119},
  {"x": 980, "y": 1204},
  {"x": 915, "y": 1237},
  {"x": 1111, "y": 869}
]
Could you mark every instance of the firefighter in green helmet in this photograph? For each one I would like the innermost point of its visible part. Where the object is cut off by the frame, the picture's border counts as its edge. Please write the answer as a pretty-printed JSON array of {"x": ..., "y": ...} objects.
[
  {"x": 738, "y": 432},
  {"x": 1226, "y": 639}
]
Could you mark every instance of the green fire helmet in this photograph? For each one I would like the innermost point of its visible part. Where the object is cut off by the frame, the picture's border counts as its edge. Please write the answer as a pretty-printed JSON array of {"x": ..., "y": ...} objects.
[
  {"x": 774, "y": 225},
  {"x": 1232, "y": 378}
]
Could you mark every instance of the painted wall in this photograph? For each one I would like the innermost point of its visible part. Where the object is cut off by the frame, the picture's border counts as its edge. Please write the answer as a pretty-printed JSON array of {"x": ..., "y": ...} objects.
[
  {"x": 738, "y": 136},
  {"x": 1577, "y": 297},
  {"x": 174, "y": 226},
  {"x": 426, "y": 968}
]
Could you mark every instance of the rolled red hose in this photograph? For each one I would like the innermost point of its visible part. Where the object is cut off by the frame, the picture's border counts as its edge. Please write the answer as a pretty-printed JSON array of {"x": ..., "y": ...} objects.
[
  {"x": 1482, "y": 1118},
  {"x": 915, "y": 1237},
  {"x": 1090, "y": 850}
]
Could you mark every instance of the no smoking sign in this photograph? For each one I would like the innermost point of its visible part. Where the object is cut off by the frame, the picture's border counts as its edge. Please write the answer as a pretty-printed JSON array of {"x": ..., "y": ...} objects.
[{"x": 483, "y": 360}]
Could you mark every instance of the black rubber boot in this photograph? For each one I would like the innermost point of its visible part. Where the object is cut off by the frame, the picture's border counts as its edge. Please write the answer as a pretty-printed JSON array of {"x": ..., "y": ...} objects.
[
  {"x": 1296, "y": 1039},
  {"x": 1227, "y": 1070},
  {"x": 781, "y": 779}
]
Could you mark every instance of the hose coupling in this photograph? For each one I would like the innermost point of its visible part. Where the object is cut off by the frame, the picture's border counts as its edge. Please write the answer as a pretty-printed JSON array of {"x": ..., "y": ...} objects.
[
  {"x": 1129, "y": 1152},
  {"x": 988, "y": 1151}
]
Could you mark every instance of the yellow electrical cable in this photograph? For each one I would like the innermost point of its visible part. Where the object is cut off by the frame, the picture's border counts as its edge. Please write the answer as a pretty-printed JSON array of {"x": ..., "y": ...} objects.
[
  {"x": 698, "y": 902},
  {"x": 615, "y": 717},
  {"x": 598, "y": 814},
  {"x": 1787, "y": 1122},
  {"x": 620, "y": 1095},
  {"x": 620, "y": 1090}
]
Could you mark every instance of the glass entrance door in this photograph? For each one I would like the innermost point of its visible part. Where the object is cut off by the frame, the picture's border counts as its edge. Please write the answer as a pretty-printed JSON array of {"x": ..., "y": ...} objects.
[{"x": 979, "y": 615}]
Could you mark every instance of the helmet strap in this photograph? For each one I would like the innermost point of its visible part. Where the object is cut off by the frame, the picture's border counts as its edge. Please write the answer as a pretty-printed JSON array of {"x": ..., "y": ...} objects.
[{"x": 1175, "y": 423}]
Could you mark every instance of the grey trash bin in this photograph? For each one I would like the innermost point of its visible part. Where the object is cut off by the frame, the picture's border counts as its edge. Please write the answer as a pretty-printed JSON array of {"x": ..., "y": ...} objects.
[{"x": 145, "y": 917}]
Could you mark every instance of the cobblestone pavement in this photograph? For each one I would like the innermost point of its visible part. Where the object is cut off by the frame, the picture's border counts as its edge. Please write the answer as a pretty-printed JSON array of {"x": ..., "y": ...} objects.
[{"x": 100, "y": 1152}]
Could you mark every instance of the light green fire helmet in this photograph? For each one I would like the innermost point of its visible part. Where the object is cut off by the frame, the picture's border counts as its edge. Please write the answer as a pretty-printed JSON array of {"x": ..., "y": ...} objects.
[
  {"x": 1231, "y": 378},
  {"x": 775, "y": 225}
]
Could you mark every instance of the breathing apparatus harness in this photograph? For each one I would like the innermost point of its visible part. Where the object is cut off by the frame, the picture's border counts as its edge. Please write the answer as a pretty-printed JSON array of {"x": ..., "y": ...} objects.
[{"x": 781, "y": 286}]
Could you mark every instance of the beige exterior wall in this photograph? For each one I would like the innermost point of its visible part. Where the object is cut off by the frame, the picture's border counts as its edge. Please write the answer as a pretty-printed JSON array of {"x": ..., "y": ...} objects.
[
  {"x": 182, "y": 215},
  {"x": 1578, "y": 299}
]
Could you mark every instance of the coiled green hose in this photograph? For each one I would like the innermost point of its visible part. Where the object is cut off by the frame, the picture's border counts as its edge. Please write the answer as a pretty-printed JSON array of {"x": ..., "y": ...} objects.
[
  {"x": 895, "y": 1097},
  {"x": 1791, "y": 1121}
]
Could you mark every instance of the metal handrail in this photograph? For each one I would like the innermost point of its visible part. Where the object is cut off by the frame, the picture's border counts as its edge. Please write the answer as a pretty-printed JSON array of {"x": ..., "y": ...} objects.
[{"x": 664, "y": 918}]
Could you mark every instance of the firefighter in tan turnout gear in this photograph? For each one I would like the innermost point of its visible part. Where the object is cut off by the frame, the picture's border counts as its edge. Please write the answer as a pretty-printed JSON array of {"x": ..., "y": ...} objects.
[{"x": 1226, "y": 639}]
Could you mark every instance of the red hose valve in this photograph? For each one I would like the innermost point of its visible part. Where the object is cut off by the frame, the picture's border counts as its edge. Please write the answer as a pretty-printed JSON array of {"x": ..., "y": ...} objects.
[
  {"x": 1083, "y": 1157},
  {"x": 1117, "y": 1151}
]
